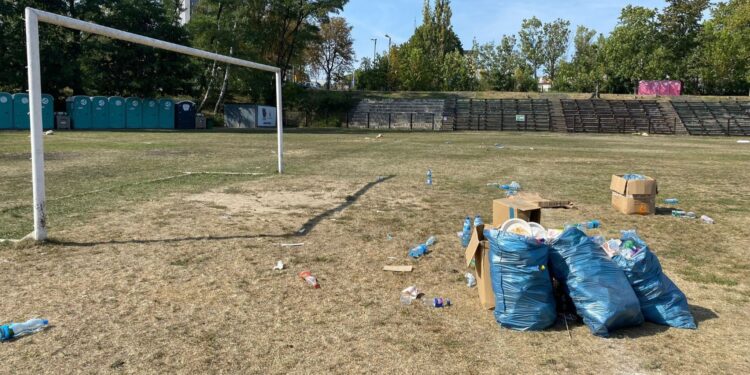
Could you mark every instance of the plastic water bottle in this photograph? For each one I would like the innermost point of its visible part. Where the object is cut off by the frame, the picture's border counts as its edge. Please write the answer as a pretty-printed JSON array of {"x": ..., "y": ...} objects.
[
  {"x": 683, "y": 214},
  {"x": 421, "y": 250},
  {"x": 437, "y": 302},
  {"x": 593, "y": 224},
  {"x": 471, "y": 281},
  {"x": 478, "y": 221},
  {"x": 511, "y": 189},
  {"x": 672, "y": 201},
  {"x": 707, "y": 220},
  {"x": 429, "y": 177},
  {"x": 466, "y": 233},
  {"x": 14, "y": 330}
]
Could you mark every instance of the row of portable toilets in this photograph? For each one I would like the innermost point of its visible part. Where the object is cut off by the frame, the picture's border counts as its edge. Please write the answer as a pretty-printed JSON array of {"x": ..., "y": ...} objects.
[{"x": 101, "y": 112}]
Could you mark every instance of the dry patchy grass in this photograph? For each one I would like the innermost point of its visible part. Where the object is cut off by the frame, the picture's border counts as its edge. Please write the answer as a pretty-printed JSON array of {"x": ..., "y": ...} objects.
[{"x": 175, "y": 277}]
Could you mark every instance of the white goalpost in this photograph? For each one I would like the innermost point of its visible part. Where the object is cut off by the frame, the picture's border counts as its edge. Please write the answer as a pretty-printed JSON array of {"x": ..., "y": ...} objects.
[{"x": 33, "y": 17}]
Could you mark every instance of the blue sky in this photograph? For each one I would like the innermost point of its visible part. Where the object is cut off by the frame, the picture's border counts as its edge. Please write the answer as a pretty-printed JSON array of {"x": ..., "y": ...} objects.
[{"x": 485, "y": 20}]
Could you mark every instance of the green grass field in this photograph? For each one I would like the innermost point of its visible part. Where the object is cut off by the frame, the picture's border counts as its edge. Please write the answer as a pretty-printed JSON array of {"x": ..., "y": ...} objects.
[{"x": 152, "y": 270}]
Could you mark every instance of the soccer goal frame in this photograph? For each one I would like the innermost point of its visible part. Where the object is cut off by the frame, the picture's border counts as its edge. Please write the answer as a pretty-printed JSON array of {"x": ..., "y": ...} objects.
[{"x": 33, "y": 17}]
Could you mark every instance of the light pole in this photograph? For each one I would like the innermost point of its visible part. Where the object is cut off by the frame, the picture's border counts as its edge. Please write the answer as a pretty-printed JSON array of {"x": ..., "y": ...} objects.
[
  {"x": 374, "y": 49},
  {"x": 389, "y": 43},
  {"x": 389, "y": 62}
]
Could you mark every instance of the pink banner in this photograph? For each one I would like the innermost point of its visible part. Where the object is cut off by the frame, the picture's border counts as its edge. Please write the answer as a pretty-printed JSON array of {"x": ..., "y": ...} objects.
[{"x": 662, "y": 88}]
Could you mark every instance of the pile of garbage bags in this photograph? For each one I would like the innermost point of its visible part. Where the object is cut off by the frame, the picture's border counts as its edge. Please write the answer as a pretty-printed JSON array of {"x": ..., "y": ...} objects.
[{"x": 616, "y": 285}]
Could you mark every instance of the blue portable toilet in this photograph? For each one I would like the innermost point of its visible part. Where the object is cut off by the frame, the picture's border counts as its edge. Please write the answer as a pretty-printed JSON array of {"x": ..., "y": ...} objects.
[
  {"x": 166, "y": 114},
  {"x": 6, "y": 111},
  {"x": 99, "y": 112},
  {"x": 79, "y": 110},
  {"x": 48, "y": 112},
  {"x": 116, "y": 112},
  {"x": 185, "y": 115},
  {"x": 134, "y": 113},
  {"x": 21, "y": 111},
  {"x": 150, "y": 114}
]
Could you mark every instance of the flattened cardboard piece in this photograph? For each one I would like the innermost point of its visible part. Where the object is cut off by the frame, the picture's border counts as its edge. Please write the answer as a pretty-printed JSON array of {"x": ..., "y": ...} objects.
[
  {"x": 537, "y": 199},
  {"x": 398, "y": 268},
  {"x": 514, "y": 208}
]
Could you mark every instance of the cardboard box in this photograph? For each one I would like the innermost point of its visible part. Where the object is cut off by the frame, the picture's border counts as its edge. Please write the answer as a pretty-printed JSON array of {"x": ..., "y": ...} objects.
[
  {"x": 622, "y": 186},
  {"x": 514, "y": 208},
  {"x": 634, "y": 204},
  {"x": 634, "y": 197},
  {"x": 479, "y": 251}
]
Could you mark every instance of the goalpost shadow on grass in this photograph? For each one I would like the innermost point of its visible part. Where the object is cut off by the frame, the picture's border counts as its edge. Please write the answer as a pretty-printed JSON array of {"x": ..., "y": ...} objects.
[{"x": 304, "y": 230}]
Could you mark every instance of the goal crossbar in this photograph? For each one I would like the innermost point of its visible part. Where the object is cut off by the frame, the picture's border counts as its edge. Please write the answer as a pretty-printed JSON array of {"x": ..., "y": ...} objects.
[{"x": 33, "y": 17}]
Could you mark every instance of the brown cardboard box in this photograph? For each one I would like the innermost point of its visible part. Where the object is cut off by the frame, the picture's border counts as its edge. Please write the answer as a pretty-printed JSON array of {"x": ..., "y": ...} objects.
[
  {"x": 537, "y": 199},
  {"x": 514, "y": 208},
  {"x": 478, "y": 251},
  {"x": 636, "y": 197},
  {"x": 634, "y": 204},
  {"x": 635, "y": 187}
]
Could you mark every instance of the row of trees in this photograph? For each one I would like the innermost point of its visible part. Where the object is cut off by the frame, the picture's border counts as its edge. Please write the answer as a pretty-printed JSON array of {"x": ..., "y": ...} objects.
[
  {"x": 710, "y": 56},
  {"x": 290, "y": 34}
]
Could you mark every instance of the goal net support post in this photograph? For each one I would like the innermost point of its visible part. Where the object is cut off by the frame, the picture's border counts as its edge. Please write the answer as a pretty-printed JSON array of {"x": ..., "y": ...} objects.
[{"x": 33, "y": 17}]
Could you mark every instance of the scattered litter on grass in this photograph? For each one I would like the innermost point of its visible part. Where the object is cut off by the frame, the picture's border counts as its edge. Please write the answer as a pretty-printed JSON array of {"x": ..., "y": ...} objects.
[
  {"x": 672, "y": 201},
  {"x": 398, "y": 268},
  {"x": 438, "y": 302},
  {"x": 49, "y": 132},
  {"x": 279, "y": 266},
  {"x": 499, "y": 146},
  {"x": 422, "y": 249},
  {"x": 303, "y": 230},
  {"x": 683, "y": 214},
  {"x": 310, "y": 279},
  {"x": 707, "y": 220},
  {"x": 429, "y": 177},
  {"x": 410, "y": 294},
  {"x": 388, "y": 237},
  {"x": 743, "y": 141},
  {"x": 14, "y": 330},
  {"x": 471, "y": 281},
  {"x": 379, "y": 136},
  {"x": 293, "y": 244}
]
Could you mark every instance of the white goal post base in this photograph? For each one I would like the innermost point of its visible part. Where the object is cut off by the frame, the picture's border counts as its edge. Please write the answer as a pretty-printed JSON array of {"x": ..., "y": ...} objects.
[{"x": 33, "y": 17}]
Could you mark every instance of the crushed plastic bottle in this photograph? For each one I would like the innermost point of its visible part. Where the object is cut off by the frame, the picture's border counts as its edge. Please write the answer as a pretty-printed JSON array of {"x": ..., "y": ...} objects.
[
  {"x": 672, "y": 201},
  {"x": 310, "y": 279},
  {"x": 707, "y": 220},
  {"x": 410, "y": 294},
  {"x": 683, "y": 214},
  {"x": 429, "y": 177},
  {"x": 471, "y": 281},
  {"x": 13, "y": 330},
  {"x": 511, "y": 189},
  {"x": 592, "y": 224},
  {"x": 466, "y": 232},
  {"x": 437, "y": 302},
  {"x": 420, "y": 250}
]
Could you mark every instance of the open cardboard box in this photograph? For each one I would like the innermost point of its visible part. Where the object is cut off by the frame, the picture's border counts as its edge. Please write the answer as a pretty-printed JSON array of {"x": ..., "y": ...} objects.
[
  {"x": 479, "y": 252},
  {"x": 634, "y": 196},
  {"x": 514, "y": 208}
]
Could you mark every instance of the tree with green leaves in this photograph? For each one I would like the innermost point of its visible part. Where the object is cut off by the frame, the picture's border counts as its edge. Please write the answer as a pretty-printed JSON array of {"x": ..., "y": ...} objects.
[
  {"x": 498, "y": 63},
  {"x": 722, "y": 58},
  {"x": 634, "y": 50},
  {"x": 333, "y": 53},
  {"x": 556, "y": 35},
  {"x": 531, "y": 38},
  {"x": 679, "y": 28},
  {"x": 585, "y": 72}
]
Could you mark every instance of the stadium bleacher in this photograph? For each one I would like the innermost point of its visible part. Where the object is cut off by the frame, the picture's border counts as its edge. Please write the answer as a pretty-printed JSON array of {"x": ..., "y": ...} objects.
[
  {"x": 714, "y": 118},
  {"x": 498, "y": 114},
  {"x": 616, "y": 116}
]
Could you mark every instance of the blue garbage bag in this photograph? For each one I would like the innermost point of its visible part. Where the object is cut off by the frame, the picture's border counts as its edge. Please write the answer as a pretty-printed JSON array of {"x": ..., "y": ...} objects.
[
  {"x": 521, "y": 282},
  {"x": 662, "y": 302},
  {"x": 599, "y": 288}
]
